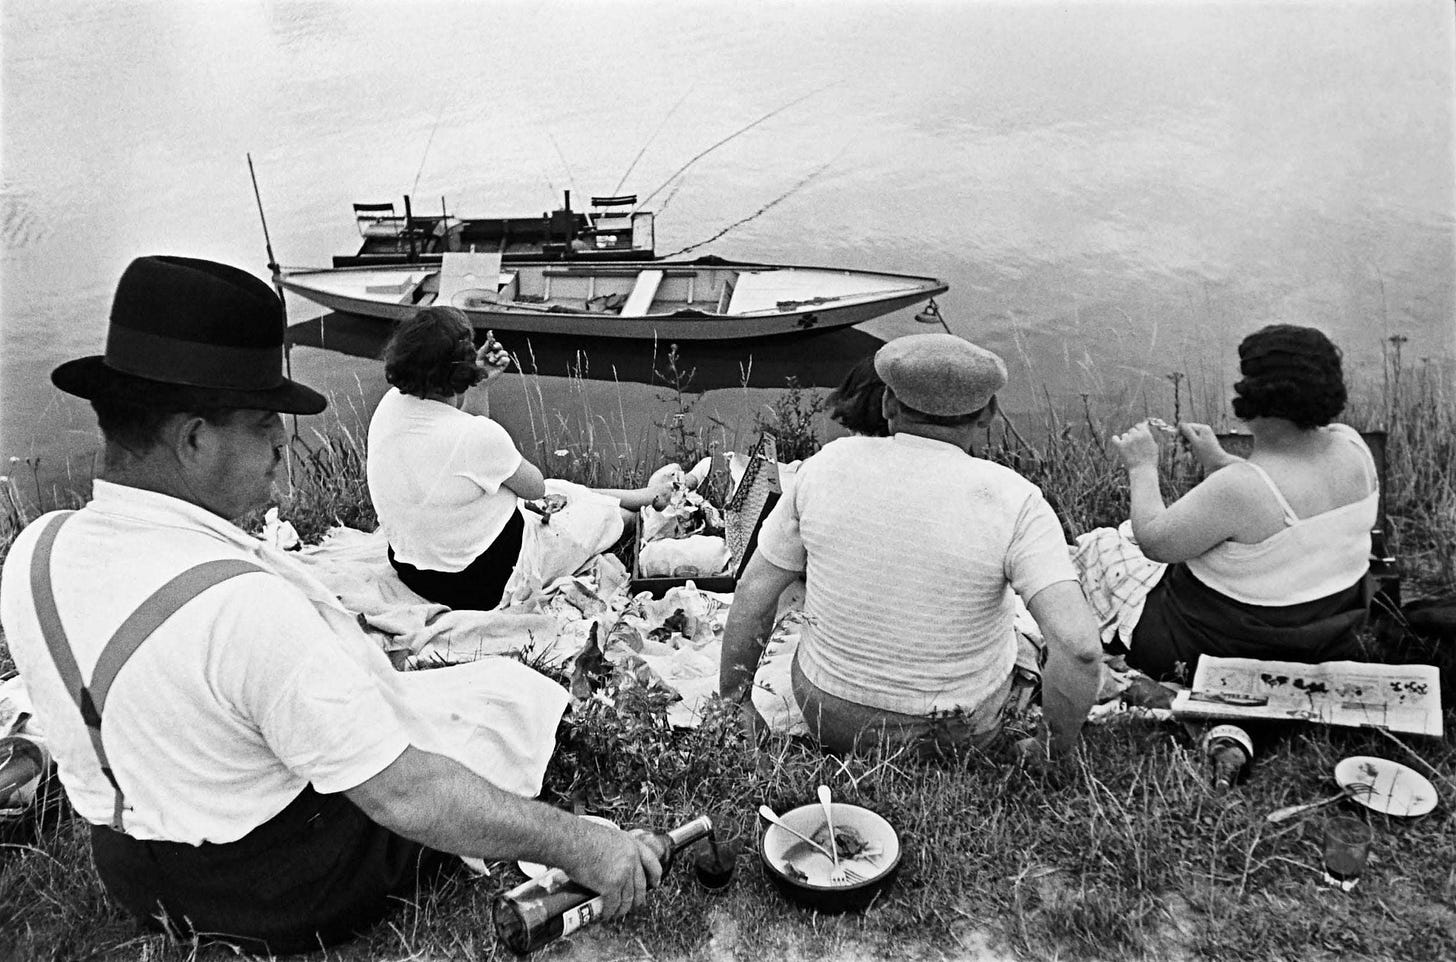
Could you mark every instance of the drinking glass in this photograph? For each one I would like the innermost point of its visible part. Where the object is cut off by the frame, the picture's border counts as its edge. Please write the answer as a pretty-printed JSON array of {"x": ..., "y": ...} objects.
[{"x": 1346, "y": 847}]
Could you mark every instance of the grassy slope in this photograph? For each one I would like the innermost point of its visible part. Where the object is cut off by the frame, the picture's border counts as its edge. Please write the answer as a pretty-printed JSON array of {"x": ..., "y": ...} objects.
[{"x": 1125, "y": 853}]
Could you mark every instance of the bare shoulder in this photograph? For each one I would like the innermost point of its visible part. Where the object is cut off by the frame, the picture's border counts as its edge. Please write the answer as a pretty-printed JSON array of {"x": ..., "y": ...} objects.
[{"x": 1240, "y": 483}]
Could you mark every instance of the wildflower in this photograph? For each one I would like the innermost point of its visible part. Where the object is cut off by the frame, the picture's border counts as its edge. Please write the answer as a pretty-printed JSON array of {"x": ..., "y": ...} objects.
[{"x": 561, "y": 452}]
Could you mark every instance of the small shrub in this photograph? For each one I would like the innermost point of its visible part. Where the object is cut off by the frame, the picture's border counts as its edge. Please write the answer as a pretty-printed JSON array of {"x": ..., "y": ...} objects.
[
  {"x": 792, "y": 419},
  {"x": 329, "y": 487}
]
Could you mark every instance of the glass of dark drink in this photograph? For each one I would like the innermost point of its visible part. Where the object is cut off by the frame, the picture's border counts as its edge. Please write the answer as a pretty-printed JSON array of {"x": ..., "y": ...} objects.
[
  {"x": 1346, "y": 847},
  {"x": 716, "y": 861}
]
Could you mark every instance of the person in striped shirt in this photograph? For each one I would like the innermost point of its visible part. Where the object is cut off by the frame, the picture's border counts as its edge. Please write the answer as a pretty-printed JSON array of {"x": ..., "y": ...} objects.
[{"x": 911, "y": 548}]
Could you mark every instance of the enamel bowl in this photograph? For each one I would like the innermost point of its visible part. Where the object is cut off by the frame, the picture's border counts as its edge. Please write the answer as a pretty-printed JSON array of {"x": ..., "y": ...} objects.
[{"x": 802, "y": 873}]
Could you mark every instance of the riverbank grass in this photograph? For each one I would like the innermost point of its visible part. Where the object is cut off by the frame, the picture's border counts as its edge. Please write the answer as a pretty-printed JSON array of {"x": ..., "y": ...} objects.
[{"x": 1124, "y": 852}]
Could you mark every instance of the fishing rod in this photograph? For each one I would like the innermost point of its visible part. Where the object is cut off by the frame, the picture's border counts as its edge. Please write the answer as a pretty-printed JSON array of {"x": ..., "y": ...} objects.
[
  {"x": 570, "y": 177},
  {"x": 741, "y": 130},
  {"x": 666, "y": 117},
  {"x": 282, "y": 306},
  {"x": 439, "y": 116},
  {"x": 765, "y": 208}
]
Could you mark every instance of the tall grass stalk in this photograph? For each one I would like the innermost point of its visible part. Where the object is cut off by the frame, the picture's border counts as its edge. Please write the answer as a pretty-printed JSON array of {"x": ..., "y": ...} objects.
[{"x": 1420, "y": 416}]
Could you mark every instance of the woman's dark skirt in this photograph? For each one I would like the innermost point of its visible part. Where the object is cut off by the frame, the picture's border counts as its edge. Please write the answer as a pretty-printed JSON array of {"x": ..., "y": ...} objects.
[
  {"x": 1183, "y": 619},
  {"x": 477, "y": 587}
]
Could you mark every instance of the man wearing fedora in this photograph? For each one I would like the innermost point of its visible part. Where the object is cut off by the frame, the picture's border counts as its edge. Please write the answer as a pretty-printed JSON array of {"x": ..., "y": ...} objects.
[
  {"x": 212, "y": 717},
  {"x": 910, "y": 548}
]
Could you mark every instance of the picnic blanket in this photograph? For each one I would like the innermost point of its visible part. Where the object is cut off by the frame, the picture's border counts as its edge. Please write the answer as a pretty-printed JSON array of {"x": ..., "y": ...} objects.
[
  {"x": 677, "y": 638},
  {"x": 673, "y": 642},
  {"x": 1116, "y": 577}
]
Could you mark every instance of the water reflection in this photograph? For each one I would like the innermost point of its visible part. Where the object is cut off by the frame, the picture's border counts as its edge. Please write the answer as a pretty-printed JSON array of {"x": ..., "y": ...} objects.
[{"x": 816, "y": 359}]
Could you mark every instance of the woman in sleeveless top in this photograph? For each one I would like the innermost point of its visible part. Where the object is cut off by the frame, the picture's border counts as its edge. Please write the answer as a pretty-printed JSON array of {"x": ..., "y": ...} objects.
[{"x": 1268, "y": 557}]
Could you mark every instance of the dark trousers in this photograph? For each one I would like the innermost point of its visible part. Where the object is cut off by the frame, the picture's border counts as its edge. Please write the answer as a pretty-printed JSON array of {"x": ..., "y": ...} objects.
[
  {"x": 477, "y": 587},
  {"x": 1184, "y": 619},
  {"x": 317, "y": 873}
]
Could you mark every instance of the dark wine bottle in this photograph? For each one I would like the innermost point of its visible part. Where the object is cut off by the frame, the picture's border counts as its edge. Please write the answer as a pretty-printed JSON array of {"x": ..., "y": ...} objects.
[
  {"x": 21, "y": 760},
  {"x": 546, "y": 908},
  {"x": 1229, "y": 750}
]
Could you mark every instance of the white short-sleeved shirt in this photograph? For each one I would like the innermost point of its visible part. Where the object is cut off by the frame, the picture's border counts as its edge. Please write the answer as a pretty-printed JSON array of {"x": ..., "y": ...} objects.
[
  {"x": 435, "y": 476},
  {"x": 910, "y": 549},
  {"x": 227, "y": 711}
]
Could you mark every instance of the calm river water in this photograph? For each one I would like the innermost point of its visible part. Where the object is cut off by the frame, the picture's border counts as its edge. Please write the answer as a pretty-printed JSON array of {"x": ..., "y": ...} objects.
[{"x": 1113, "y": 191}]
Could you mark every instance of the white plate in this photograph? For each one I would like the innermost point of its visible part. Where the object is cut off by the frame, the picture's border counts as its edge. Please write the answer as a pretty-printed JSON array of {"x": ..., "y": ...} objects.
[
  {"x": 1395, "y": 788},
  {"x": 536, "y": 869}
]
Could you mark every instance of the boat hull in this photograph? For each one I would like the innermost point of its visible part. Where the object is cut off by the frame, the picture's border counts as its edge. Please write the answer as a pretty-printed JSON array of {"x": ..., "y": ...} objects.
[{"x": 683, "y": 324}]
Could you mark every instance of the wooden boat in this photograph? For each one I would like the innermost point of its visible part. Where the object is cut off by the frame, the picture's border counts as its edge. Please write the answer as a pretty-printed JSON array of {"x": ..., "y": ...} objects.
[
  {"x": 705, "y": 299},
  {"x": 610, "y": 231}
]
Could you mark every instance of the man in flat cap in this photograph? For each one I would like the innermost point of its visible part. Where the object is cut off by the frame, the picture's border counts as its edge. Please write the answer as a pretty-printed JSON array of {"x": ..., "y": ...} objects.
[
  {"x": 910, "y": 548},
  {"x": 214, "y": 713}
]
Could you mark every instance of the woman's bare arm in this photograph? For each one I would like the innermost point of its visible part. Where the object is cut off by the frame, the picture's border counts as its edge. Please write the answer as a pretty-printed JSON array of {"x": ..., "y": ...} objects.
[{"x": 527, "y": 482}]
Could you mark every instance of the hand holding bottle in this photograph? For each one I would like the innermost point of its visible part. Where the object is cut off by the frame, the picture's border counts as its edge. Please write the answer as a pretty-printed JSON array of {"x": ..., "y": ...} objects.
[
  {"x": 607, "y": 873},
  {"x": 617, "y": 865}
]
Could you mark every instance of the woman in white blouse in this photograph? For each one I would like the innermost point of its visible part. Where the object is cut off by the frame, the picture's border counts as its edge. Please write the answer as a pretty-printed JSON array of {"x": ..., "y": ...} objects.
[{"x": 450, "y": 487}]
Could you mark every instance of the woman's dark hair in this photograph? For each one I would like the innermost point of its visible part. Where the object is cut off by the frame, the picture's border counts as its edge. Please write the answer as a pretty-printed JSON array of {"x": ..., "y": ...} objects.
[
  {"x": 1291, "y": 373},
  {"x": 856, "y": 402},
  {"x": 432, "y": 353}
]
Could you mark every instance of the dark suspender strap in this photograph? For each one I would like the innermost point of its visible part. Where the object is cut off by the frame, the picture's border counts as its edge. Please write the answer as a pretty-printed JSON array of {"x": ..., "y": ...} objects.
[
  {"x": 161, "y": 605},
  {"x": 45, "y": 611},
  {"x": 139, "y": 625}
]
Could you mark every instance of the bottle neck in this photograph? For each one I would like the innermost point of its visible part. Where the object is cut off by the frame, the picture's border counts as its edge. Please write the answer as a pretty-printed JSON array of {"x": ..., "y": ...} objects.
[{"x": 689, "y": 832}]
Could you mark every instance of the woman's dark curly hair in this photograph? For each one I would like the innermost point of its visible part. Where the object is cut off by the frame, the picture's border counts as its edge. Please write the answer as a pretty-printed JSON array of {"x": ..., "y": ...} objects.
[
  {"x": 432, "y": 353},
  {"x": 1291, "y": 373},
  {"x": 856, "y": 402}
]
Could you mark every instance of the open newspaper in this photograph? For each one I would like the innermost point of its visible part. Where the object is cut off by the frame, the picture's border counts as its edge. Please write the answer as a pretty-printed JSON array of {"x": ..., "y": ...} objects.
[{"x": 1403, "y": 698}]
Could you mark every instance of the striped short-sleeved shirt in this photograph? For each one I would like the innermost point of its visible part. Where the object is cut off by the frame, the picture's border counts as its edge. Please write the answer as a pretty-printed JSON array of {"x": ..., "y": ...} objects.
[{"x": 911, "y": 549}]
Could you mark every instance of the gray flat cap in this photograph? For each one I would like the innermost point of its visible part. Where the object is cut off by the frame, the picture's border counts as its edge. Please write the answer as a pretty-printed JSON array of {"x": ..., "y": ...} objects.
[{"x": 940, "y": 373}]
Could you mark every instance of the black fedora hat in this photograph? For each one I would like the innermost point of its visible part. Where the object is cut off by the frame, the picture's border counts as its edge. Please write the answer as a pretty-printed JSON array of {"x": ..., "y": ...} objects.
[{"x": 185, "y": 331}]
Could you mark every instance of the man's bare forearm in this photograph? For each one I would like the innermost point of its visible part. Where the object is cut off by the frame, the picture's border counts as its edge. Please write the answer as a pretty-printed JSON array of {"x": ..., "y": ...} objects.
[
  {"x": 441, "y": 803},
  {"x": 1069, "y": 688},
  {"x": 1073, "y": 671},
  {"x": 1145, "y": 495},
  {"x": 745, "y": 635},
  {"x": 438, "y": 802},
  {"x": 749, "y": 625}
]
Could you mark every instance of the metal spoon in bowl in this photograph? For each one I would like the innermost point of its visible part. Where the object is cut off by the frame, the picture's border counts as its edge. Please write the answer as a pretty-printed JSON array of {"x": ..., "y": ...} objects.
[
  {"x": 769, "y": 815},
  {"x": 838, "y": 876}
]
